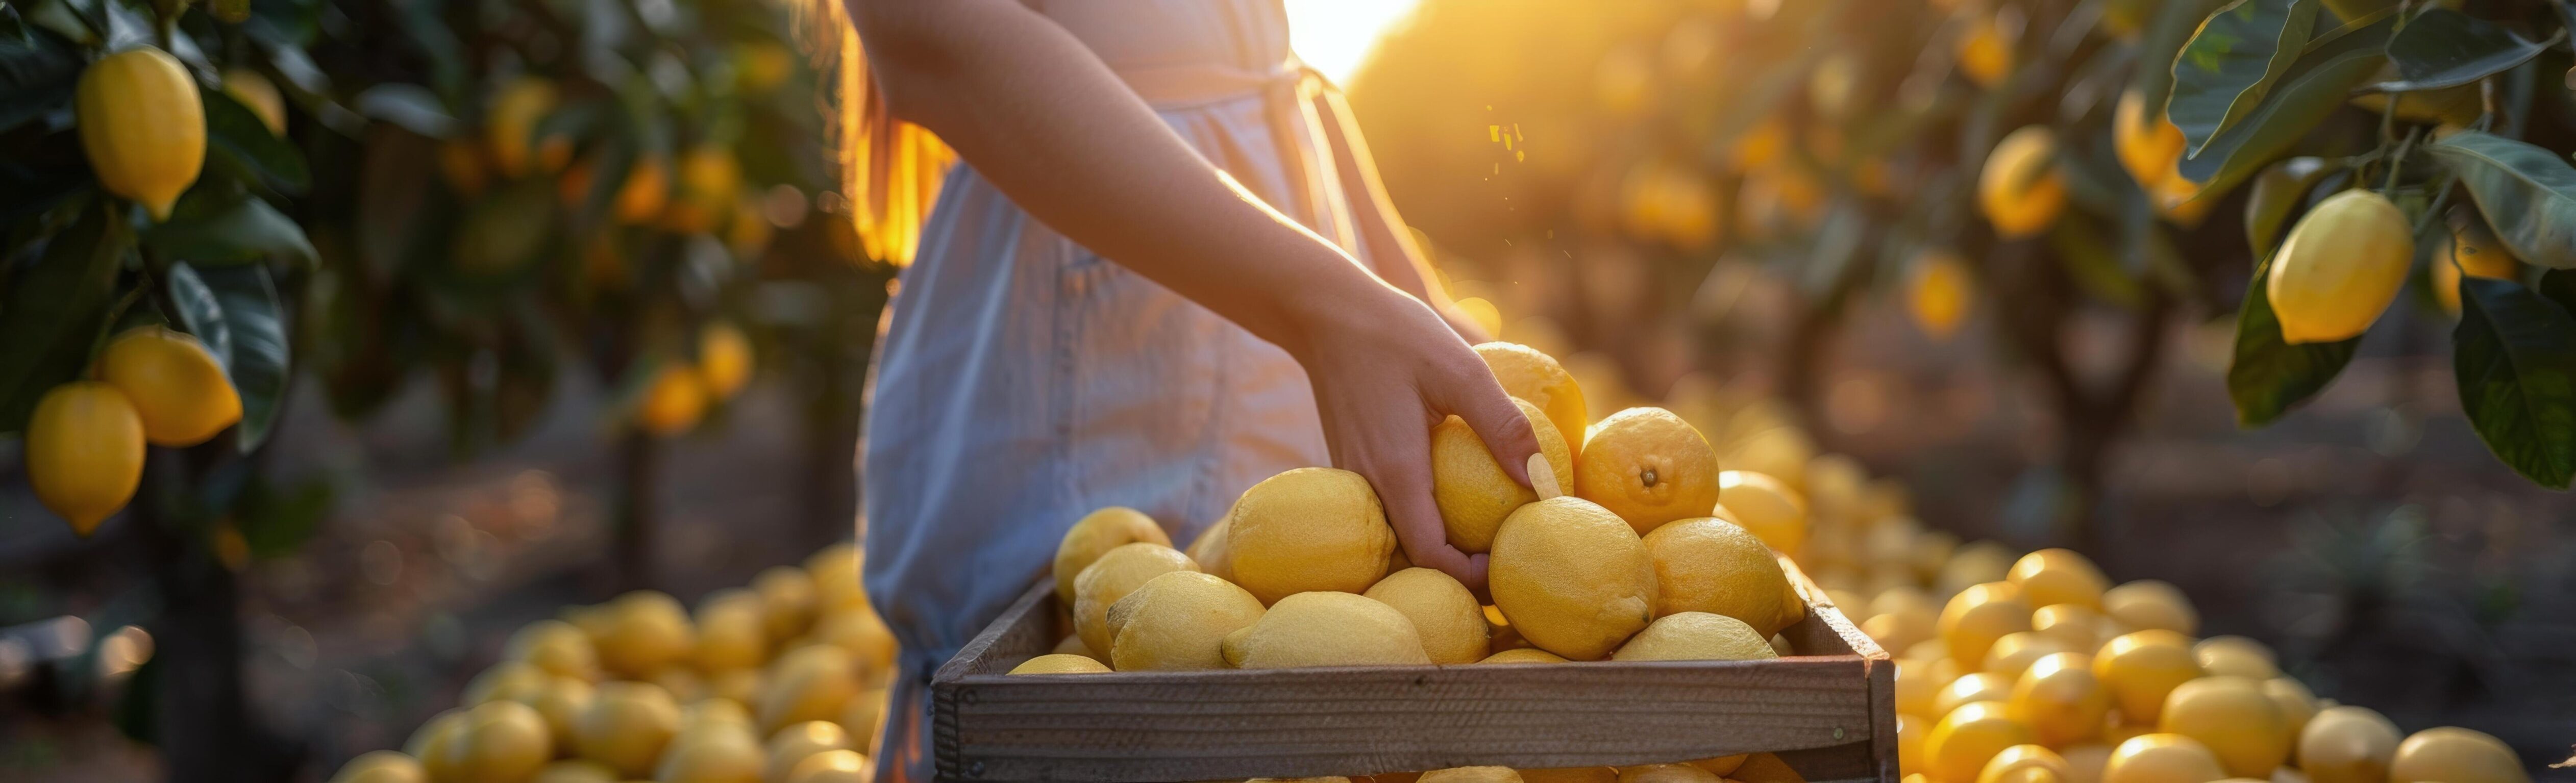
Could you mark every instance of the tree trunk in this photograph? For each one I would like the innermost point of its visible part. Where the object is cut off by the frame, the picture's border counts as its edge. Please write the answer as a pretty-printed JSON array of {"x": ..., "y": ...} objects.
[
  {"x": 639, "y": 456},
  {"x": 202, "y": 719}
]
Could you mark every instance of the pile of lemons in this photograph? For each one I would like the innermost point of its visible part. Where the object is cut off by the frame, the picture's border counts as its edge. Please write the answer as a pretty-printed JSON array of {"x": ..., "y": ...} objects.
[{"x": 781, "y": 682}]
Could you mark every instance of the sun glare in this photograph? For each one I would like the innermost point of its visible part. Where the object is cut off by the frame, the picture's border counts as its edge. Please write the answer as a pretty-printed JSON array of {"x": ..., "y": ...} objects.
[{"x": 1334, "y": 36}]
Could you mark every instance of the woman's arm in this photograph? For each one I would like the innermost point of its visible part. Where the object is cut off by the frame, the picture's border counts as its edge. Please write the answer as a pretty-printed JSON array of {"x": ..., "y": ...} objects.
[{"x": 1044, "y": 120}]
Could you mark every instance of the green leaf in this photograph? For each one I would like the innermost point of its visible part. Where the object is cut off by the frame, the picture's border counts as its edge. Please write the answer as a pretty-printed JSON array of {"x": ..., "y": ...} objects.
[
  {"x": 2268, "y": 376},
  {"x": 243, "y": 231},
  {"x": 2315, "y": 86},
  {"x": 236, "y": 137},
  {"x": 199, "y": 312},
  {"x": 2514, "y": 355},
  {"x": 2528, "y": 194},
  {"x": 53, "y": 311},
  {"x": 37, "y": 75},
  {"x": 2277, "y": 192},
  {"x": 2445, "y": 48},
  {"x": 2227, "y": 67},
  {"x": 257, "y": 362}
]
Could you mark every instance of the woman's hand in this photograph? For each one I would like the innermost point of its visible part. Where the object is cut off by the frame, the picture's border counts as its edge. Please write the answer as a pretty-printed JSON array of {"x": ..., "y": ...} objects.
[{"x": 1386, "y": 370}]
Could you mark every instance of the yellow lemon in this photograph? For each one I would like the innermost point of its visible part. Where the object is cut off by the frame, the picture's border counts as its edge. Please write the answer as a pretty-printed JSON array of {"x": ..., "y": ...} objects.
[
  {"x": 1470, "y": 775},
  {"x": 142, "y": 126},
  {"x": 434, "y": 744},
  {"x": 2450, "y": 754},
  {"x": 724, "y": 358},
  {"x": 2077, "y": 626},
  {"x": 1094, "y": 535},
  {"x": 1537, "y": 378},
  {"x": 1524, "y": 655},
  {"x": 1712, "y": 565},
  {"x": 555, "y": 646},
  {"x": 1649, "y": 467},
  {"x": 673, "y": 401},
  {"x": 733, "y": 631},
  {"x": 2471, "y": 250},
  {"x": 714, "y": 710},
  {"x": 626, "y": 725},
  {"x": 575, "y": 771},
  {"x": 500, "y": 741},
  {"x": 1072, "y": 645},
  {"x": 719, "y": 753},
  {"x": 1909, "y": 746},
  {"x": 1663, "y": 773},
  {"x": 1899, "y": 631},
  {"x": 381, "y": 766},
  {"x": 2060, "y": 699},
  {"x": 1326, "y": 629},
  {"x": 2013, "y": 653},
  {"x": 508, "y": 680},
  {"x": 1470, "y": 487},
  {"x": 84, "y": 452},
  {"x": 1961, "y": 743},
  {"x": 1573, "y": 578},
  {"x": 1979, "y": 615},
  {"x": 645, "y": 632},
  {"x": 2021, "y": 190},
  {"x": 2085, "y": 761},
  {"x": 176, "y": 385},
  {"x": 1938, "y": 289},
  {"x": 2237, "y": 656},
  {"x": 2151, "y": 603},
  {"x": 644, "y": 193},
  {"x": 1447, "y": 616},
  {"x": 2347, "y": 744},
  {"x": 1060, "y": 663},
  {"x": 1985, "y": 51},
  {"x": 1178, "y": 622},
  {"x": 1971, "y": 688},
  {"x": 561, "y": 704},
  {"x": 2141, "y": 668},
  {"x": 2233, "y": 718},
  {"x": 1916, "y": 688},
  {"x": 1118, "y": 572},
  {"x": 1696, "y": 636},
  {"x": 786, "y": 601},
  {"x": 709, "y": 179},
  {"x": 2340, "y": 267},
  {"x": 2025, "y": 764},
  {"x": 835, "y": 570},
  {"x": 831, "y": 766},
  {"x": 859, "y": 630},
  {"x": 2058, "y": 576},
  {"x": 1974, "y": 563},
  {"x": 2161, "y": 758},
  {"x": 808, "y": 683},
  {"x": 2147, "y": 143},
  {"x": 1766, "y": 506},
  {"x": 1308, "y": 529}
]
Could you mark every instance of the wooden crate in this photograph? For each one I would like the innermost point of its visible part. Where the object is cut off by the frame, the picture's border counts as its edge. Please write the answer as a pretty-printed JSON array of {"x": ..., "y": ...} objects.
[{"x": 1829, "y": 711}]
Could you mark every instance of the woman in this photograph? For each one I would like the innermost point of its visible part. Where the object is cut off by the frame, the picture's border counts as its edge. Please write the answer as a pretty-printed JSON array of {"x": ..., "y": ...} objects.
[{"x": 1165, "y": 270}]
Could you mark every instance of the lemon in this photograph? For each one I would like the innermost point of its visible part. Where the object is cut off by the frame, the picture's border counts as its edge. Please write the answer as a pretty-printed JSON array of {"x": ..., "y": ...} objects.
[
  {"x": 1971, "y": 688},
  {"x": 1938, "y": 289},
  {"x": 1326, "y": 629},
  {"x": 2237, "y": 656},
  {"x": 1778, "y": 452},
  {"x": 2085, "y": 761},
  {"x": 1178, "y": 622},
  {"x": 381, "y": 766},
  {"x": 709, "y": 179},
  {"x": 1917, "y": 615},
  {"x": 2233, "y": 718},
  {"x": 1209, "y": 549},
  {"x": 2025, "y": 764},
  {"x": 575, "y": 771},
  {"x": 1118, "y": 572},
  {"x": 714, "y": 711},
  {"x": 831, "y": 766},
  {"x": 1916, "y": 688},
  {"x": 2058, "y": 576},
  {"x": 2020, "y": 190},
  {"x": 501, "y": 742},
  {"x": 1961, "y": 743},
  {"x": 1898, "y": 631},
  {"x": 1649, "y": 467},
  {"x": 512, "y": 122},
  {"x": 865, "y": 714},
  {"x": 2150, "y": 603},
  {"x": 2161, "y": 758},
  {"x": 1470, "y": 775},
  {"x": 2013, "y": 653},
  {"x": 2148, "y": 146},
  {"x": 1538, "y": 379},
  {"x": 724, "y": 358},
  {"x": 1308, "y": 529},
  {"x": 142, "y": 126},
  {"x": 732, "y": 631},
  {"x": 561, "y": 704},
  {"x": 626, "y": 725},
  {"x": 1524, "y": 655},
  {"x": 1979, "y": 615},
  {"x": 508, "y": 680},
  {"x": 645, "y": 631},
  {"x": 434, "y": 744},
  {"x": 1470, "y": 487},
  {"x": 1447, "y": 616},
  {"x": 1909, "y": 746},
  {"x": 1666, "y": 773},
  {"x": 1985, "y": 51},
  {"x": 84, "y": 452},
  {"x": 835, "y": 570},
  {"x": 740, "y": 686},
  {"x": 645, "y": 192},
  {"x": 176, "y": 385},
  {"x": 2297, "y": 705},
  {"x": 1060, "y": 663},
  {"x": 2060, "y": 699},
  {"x": 1072, "y": 645},
  {"x": 1095, "y": 534},
  {"x": 555, "y": 646},
  {"x": 860, "y": 631},
  {"x": 786, "y": 601},
  {"x": 1930, "y": 553},
  {"x": 1711, "y": 565},
  {"x": 2347, "y": 744},
  {"x": 2340, "y": 267},
  {"x": 715, "y": 753},
  {"x": 2141, "y": 668},
  {"x": 1766, "y": 768},
  {"x": 1324, "y": 779},
  {"x": 1974, "y": 563},
  {"x": 2076, "y": 626},
  {"x": 1572, "y": 578},
  {"x": 2450, "y": 754},
  {"x": 673, "y": 401},
  {"x": 1766, "y": 506},
  {"x": 808, "y": 683},
  {"x": 2471, "y": 250},
  {"x": 1696, "y": 636}
]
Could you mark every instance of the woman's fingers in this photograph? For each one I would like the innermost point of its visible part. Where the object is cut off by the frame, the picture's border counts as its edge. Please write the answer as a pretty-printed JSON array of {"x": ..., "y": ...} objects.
[{"x": 1399, "y": 468}]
